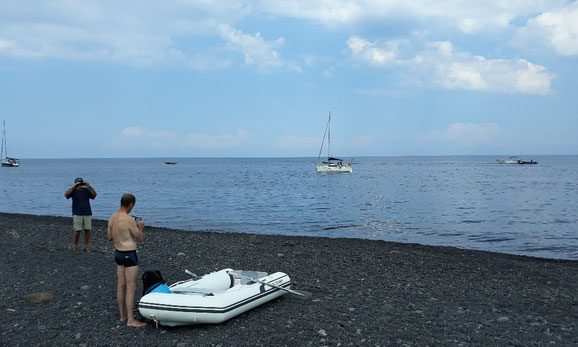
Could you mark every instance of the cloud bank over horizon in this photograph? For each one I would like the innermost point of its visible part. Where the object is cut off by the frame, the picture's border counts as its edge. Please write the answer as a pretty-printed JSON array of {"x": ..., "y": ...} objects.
[
  {"x": 255, "y": 76},
  {"x": 147, "y": 33}
]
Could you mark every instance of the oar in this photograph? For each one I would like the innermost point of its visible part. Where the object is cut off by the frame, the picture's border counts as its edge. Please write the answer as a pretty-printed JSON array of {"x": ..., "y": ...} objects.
[
  {"x": 303, "y": 295},
  {"x": 195, "y": 277}
]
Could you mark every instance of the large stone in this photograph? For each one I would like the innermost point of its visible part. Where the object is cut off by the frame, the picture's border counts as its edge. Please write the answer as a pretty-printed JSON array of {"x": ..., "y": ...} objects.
[
  {"x": 254, "y": 240},
  {"x": 37, "y": 298}
]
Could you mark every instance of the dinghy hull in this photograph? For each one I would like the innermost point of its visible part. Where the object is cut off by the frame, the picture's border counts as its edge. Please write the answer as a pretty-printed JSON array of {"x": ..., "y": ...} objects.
[{"x": 191, "y": 302}]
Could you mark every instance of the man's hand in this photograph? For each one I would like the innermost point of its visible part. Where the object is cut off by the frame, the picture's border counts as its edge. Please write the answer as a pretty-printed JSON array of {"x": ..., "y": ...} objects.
[{"x": 141, "y": 225}]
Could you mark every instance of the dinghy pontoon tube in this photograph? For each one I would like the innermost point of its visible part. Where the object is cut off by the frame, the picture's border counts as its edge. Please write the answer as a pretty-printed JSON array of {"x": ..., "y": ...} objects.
[{"x": 212, "y": 298}]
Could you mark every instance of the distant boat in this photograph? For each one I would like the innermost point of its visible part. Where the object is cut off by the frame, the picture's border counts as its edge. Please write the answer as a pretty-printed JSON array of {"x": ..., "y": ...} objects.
[
  {"x": 510, "y": 160},
  {"x": 170, "y": 162},
  {"x": 4, "y": 158},
  {"x": 332, "y": 164},
  {"x": 515, "y": 160},
  {"x": 507, "y": 161},
  {"x": 522, "y": 162}
]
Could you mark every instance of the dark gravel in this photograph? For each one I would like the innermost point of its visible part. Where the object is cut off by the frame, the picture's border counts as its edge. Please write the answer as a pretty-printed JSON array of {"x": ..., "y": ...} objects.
[{"x": 366, "y": 293}]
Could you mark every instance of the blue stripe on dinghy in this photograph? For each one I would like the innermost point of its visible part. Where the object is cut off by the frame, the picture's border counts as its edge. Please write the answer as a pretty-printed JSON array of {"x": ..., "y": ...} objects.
[{"x": 201, "y": 309}]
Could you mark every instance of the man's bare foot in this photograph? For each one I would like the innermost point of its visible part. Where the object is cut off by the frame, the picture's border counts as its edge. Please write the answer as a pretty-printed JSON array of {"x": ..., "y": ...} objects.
[
  {"x": 123, "y": 319},
  {"x": 136, "y": 324},
  {"x": 73, "y": 248},
  {"x": 87, "y": 250}
]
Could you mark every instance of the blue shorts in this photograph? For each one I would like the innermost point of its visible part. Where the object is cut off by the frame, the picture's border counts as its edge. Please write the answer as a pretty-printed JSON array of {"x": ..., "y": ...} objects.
[{"x": 126, "y": 258}]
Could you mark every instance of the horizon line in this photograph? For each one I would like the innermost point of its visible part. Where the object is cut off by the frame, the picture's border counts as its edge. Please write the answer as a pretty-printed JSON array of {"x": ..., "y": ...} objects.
[{"x": 294, "y": 157}]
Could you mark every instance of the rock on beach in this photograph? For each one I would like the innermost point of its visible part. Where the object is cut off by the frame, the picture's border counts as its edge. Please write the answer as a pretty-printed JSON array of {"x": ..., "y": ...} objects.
[{"x": 370, "y": 293}]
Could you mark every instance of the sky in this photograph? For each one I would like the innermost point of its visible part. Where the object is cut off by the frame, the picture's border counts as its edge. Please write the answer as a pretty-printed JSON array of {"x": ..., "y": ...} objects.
[{"x": 199, "y": 78}]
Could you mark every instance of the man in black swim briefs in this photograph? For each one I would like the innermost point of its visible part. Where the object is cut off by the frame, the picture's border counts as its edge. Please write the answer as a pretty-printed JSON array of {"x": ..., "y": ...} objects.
[
  {"x": 126, "y": 258},
  {"x": 125, "y": 233}
]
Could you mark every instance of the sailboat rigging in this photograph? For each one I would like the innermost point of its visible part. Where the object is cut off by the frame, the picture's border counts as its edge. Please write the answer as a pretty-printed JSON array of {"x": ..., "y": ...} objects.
[{"x": 332, "y": 164}]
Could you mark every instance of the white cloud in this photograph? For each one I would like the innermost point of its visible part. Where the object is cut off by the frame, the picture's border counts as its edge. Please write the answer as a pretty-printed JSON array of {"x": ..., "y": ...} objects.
[
  {"x": 464, "y": 134},
  {"x": 439, "y": 63},
  {"x": 136, "y": 137},
  {"x": 255, "y": 49},
  {"x": 555, "y": 29},
  {"x": 366, "y": 51},
  {"x": 468, "y": 16},
  {"x": 182, "y": 32},
  {"x": 127, "y": 32},
  {"x": 330, "y": 13},
  {"x": 463, "y": 70}
]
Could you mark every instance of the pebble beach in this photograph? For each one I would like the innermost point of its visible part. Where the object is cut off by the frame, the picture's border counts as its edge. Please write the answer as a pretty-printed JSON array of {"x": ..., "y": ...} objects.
[{"x": 365, "y": 293}]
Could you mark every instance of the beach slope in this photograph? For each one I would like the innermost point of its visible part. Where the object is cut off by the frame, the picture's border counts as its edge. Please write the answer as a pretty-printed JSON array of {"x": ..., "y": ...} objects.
[{"x": 364, "y": 292}]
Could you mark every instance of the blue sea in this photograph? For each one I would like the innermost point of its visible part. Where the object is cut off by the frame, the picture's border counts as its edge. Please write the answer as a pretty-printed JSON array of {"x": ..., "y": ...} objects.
[{"x": 463, "y": 201}]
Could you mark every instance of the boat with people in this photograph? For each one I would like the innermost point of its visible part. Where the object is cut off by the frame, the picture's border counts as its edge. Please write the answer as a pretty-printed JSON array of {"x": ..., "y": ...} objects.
[
  {"x": 332, "y": 164},
  {"x": 212, "y": 298},
  {"x": 5, "y": 160}
]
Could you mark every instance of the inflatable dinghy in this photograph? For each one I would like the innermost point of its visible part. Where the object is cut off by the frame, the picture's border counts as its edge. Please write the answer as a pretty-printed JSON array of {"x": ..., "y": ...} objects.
[{"x": 212, "y": 298}]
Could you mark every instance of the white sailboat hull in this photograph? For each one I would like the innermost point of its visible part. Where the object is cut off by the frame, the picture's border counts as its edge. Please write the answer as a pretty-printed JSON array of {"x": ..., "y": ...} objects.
[
  {"x": 215, "y": 301},
  {"x": 333, "y": 168}
]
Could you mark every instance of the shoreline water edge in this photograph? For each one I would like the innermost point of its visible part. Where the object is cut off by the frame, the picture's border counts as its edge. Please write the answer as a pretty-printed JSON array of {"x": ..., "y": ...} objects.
[{"x": 365, "y": 292}]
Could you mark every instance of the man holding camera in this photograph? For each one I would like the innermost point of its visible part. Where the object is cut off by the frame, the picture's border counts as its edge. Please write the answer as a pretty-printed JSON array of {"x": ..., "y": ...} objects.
[
  {"x": 81, "y": 193},
  {"x": 125, "y": 233}
]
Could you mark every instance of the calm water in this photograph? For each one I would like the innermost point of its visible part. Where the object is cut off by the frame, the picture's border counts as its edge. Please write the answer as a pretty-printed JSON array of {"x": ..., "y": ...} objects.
[{"x": 468, "y": 202}]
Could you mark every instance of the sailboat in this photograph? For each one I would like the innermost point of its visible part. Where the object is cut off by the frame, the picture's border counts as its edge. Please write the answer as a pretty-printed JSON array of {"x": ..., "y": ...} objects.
[
  {"x": 5, "y": 159},
  {"x": 332, "y": 164}
]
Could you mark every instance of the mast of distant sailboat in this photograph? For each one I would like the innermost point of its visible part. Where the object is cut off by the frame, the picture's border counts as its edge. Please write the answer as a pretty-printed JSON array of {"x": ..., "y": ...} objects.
[
  {"x": 4, "y": 151},
  {"x": 327, "y": 134}
]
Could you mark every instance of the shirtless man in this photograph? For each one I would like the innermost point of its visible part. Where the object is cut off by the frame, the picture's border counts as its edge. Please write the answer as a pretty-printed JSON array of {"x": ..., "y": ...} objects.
[{"x": 125, "y": 233}]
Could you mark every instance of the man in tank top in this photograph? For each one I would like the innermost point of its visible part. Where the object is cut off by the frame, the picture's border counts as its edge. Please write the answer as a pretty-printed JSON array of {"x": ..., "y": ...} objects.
[{"x": 125, "y": 233}]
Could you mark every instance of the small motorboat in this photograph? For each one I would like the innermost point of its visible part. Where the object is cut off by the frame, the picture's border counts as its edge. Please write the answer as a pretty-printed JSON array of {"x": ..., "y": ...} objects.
[
  {"x": 212, "y": 298},
  {"x": 171, "y": 162},
  {"x": 522, "y": 162}
]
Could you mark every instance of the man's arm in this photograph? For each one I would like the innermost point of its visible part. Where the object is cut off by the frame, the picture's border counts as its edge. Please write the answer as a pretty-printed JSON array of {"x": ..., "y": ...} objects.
[
  {"x": 69, "y": 191},
  {"x": 92, "y": 191},
  {"x": 136, "y": 232},
  {"x": 109, "y": 230}
]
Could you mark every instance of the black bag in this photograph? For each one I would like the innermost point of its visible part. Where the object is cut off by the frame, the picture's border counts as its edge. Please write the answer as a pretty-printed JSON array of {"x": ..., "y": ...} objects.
[{"x": 151, "y": 280}]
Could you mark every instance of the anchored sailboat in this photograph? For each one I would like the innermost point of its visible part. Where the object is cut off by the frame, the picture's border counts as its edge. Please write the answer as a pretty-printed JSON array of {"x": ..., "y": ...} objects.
[
  {"x": 5, "y": 159},
  {"x": 332, "y": 164}
]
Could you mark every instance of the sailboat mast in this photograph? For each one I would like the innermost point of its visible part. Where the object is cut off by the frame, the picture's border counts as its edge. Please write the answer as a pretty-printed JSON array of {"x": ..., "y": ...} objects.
[
  {"x": 329, "y": 137},
  {"x": 4, "y": 146}
]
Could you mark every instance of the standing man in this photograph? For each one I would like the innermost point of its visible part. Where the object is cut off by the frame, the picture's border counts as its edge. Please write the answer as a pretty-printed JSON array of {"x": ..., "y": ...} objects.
[
  {"x": 81, "y": 193},
  {"x": 125, "y": 233}
]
